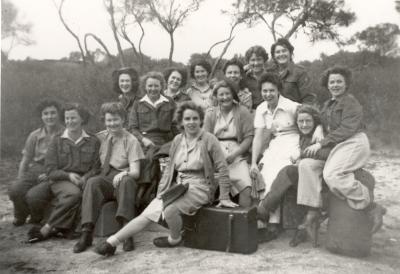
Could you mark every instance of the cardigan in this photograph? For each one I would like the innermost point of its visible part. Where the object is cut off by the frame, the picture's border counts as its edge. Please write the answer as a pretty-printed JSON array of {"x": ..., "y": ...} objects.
[{"x": 214, "y": 161}]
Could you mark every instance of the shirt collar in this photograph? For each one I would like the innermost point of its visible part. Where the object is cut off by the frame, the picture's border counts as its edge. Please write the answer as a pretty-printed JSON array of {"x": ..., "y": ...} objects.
[
  {"x": 200, "y": 89},
  {"x": 84, "y": 135},
  {"x": 156, "y": 103}
]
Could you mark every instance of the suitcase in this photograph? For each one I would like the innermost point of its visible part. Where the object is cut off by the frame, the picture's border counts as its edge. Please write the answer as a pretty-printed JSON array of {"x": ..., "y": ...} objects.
[{"x": 222, "y": 229}]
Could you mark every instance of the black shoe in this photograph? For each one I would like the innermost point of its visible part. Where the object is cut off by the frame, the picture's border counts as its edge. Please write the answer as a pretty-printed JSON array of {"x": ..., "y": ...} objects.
[
  {"x": 34, "y": 235},
  {"x": 128, "y": 245},
  {"x": 18, "y": 222},
  {"x": 300, "y": 236},
  {"x": 105, "y": 249},
  {"x": 84, "y": 242},
  {"x": 163, "y": 242},
  {"x": 266, "y": 235}
]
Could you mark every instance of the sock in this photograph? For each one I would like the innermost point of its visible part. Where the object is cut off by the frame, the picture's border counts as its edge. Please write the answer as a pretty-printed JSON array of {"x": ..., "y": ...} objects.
[
  {"x": 174, "y": 241},
  {"x": 45, "y": 230},
  {"x": 114, "y": 241}
]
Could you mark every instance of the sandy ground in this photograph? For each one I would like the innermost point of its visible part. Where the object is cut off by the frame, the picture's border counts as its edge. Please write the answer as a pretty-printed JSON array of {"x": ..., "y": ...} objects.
[{"x": 274, "y": 257}]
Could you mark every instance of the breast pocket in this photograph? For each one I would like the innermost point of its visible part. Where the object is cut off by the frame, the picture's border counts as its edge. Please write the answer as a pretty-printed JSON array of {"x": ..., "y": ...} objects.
[
  {"x": 165, "y": 117},
  {"x": 87, "y": 154},
  {"x": 144, "y": 116}
]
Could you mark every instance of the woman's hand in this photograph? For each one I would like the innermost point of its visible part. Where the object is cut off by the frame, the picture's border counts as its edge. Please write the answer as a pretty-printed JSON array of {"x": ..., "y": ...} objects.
[
  {"x": 318, "y": 134},
  {"x": 76, "y": 179},
  {"x": 227, "y": 203},
  {"x": 118, "y": 178},
  {"x": 42, "y": 178},
  {"x": 147, "y": 142},
  {"x": 312, "y": 150},
  {"x": 254, "y": 170}
]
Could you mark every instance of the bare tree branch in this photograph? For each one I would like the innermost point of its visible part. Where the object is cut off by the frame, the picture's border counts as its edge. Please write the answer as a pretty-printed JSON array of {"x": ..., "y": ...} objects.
[
  {"x": 98, "y": 40},
  {"x": 111, "y": 12}
]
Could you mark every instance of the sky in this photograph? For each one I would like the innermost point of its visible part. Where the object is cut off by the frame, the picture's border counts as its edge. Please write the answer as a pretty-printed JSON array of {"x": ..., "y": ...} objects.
[{"x": 202, "y": 29}]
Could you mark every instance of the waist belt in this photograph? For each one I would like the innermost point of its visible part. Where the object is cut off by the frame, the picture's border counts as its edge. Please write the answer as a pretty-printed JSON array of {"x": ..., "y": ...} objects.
[{"x": 228, "y": 139}]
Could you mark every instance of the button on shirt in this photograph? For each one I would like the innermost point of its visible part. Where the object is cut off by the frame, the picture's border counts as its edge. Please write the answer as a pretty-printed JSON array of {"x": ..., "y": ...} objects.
[
  {"x": 126, "y": 149},
  {"x": 281, "y": 120},
  {"x": 188, "y": 157}
]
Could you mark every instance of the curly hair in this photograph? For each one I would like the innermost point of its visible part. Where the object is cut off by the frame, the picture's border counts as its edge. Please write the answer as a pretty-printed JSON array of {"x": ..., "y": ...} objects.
[
  {"x": 284, "y": 43},
  {"x": 115, "y": 108},
  {"x": 345, "y": 72},
  {"x": 258, "y": 51},
  {"x": 272, "y": 78},
  {"x": 312, "y": 111},
  {"x": 226, "y": 83},
  {"x": 82, "y": 111},
  {"x": 154, "y": 75},
  {"x": 131, "y": 72},
  {"x": 234, "y": 62},
  {"x": 178, "y": 117},
  {"x": 49, "y": 103},
  {"x": 167, "y": 73},
  {"x": 202, "y": 63}
]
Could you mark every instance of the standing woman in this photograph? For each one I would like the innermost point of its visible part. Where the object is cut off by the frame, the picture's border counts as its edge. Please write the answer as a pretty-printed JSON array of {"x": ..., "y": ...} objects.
[
  {"x": 295, "y": 80},
  {"x": 151, "y": 122},
  {"x": 233, "y": 70},
  {"x": 176, "y": 79},
  {"x": 232, "y": 124},
  {"x": 120, "y": 155},
  {"x": 256, "y": 57},
  {"x": 126, "y": 83},
  {"x": 71, "y": 159},
  {"x": 275, "y": 123},
  {"x": 200, "y": 90},
  {"x": 31, "y": 170},
  {"x": 195, "y": 157},
  {"x": 342, "y": 116}
]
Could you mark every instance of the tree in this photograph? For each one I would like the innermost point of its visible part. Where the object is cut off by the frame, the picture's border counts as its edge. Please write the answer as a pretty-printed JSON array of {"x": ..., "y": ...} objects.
[
  {"x": 109, "y": 4},
  {"x": 381, "y": 38},
  {"x": 60, "y": 15},
  {"x": 170, "y": 14},
  {"x": 13, "y": 30},
  {"x": 318, "y": 19}
]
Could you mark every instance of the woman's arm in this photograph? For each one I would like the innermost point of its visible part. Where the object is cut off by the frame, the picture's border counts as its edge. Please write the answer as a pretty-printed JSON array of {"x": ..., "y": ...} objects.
[
  {"x": 242, "y": 149},
  {"x": 133, "y": 122},
  {"x": 23, "y": 166}
]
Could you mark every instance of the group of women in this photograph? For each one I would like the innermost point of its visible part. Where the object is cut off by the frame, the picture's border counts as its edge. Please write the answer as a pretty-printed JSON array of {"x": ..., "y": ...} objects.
[{"x": 259, "y": 121}]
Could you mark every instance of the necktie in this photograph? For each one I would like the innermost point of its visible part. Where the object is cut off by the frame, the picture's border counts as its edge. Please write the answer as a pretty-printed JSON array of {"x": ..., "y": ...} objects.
[{"x": 105, "y": 168}]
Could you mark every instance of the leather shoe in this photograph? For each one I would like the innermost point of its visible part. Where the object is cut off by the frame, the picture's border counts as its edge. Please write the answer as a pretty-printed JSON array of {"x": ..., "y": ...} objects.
[
  {"x": 18, "y": 222},
  {"x": 105, "y": 249},
  {"x": 84, "y": 242},
  {"x": 163, "y": 242},
  {"x": 128, "y": 245},
  {"x": 300, "y": 236},
  {"x": 34, "y": 235},
  {"x": 266, "y": 235}
]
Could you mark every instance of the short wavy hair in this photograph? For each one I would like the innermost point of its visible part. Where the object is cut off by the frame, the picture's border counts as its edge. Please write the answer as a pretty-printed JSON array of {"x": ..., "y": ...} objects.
[
  {"x": 312, "y": 111},
  {"x": 82, "y": 111},
  {"x": 178, "y": 117},
  {"x": 154, "y": 75},
  {"x": 202, "y": 63},
  {"x": 167, "y": 73},
  {"x": 45, "y": 103},
  {"x": 234, "y": 62},
  {"x": 284, "y": 43},
  {"x": 115, "y": 108},
  {"x": 345, "y": 72},
  {"x": 258, "y": 51},
  {"x": 272, "y": 78},
  {"x": 126, "y": 70},
  {"x": 226, "y": 83}
]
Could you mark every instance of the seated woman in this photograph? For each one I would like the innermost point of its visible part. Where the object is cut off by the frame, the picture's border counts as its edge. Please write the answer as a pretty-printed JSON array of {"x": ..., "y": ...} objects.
[
  {"x": 31, "y": 170},
  {"x": 126, "y": 83},
  {"x": 342, "y": 117},
  {"x": 200, "y": 90},
  {"x": 176, "y": 79},
  {"x": 307, "y": 119},
  {"x": 233, "y": 70},
  {"x": 232, "y": 124},
  {"x": 195, "y": 157},
  {"x": 275, "y": 118},
  {"x": 72, "y": 158},
  {"x": 120, "y": 155},
  {"x": 256, "y": 57},
  {"x": 295, "y": 79},
  {"x": 151, "y": 122}
]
